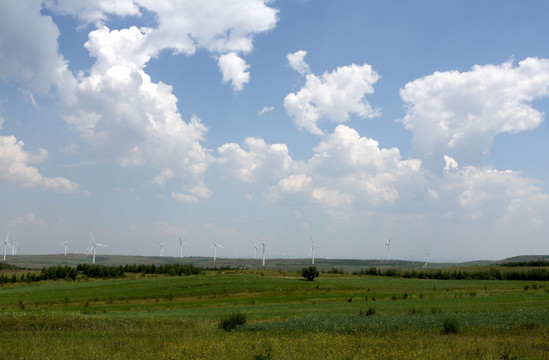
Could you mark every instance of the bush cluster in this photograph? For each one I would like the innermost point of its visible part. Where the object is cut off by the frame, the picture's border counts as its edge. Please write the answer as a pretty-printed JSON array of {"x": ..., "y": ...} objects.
[
  {"x": 450, "y": 325},
  {"x": 231, "y": 321},
  {"x": 309, "y": 273}
]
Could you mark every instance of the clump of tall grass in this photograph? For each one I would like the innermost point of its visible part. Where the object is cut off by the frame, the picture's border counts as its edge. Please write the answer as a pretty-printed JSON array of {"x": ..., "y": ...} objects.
[{"x": 231, "y": 321}]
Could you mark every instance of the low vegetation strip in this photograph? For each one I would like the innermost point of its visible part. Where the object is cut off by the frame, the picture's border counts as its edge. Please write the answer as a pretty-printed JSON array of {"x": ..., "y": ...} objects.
[
  {"x": 524, "y": 271},
  {"x": 100, "y": 271},
  {"x": 492, "y": 273},
  {"x": 409, "y": 321}
]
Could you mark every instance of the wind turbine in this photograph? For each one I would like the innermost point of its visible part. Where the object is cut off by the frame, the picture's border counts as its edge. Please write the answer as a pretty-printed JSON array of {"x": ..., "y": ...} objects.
[
  {"x": 215, "y": 246},
  {"x": 181, "y": 247},
  {"x": 312, "y": 251},
  {"x": 14, "y": 246},
  {"x": 388, "y": 242},
  {"x": 6, "y": 243},
  {"x": 255, "y": 248},
  {"x": 426, "y": 258},
  {"x": 161, "y": 244},
  {"x": 264, "y": 245},
  {"x": 92, "y": 248},
  {"x": 66, "y": 243}
]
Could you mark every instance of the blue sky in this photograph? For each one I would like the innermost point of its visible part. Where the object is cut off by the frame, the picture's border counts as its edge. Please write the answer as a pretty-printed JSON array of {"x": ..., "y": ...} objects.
[{"x": 348, "y": 121}]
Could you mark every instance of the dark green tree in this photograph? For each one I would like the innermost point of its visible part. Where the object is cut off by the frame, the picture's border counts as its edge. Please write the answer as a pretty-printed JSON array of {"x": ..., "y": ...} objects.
[{"x": 309, "y": 273}]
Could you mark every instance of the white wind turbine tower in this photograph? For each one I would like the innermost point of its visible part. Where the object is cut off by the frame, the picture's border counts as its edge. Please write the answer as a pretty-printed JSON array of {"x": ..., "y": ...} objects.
[
  {"x": 6, "y": 244},
  {"x": 92, "y": 248},
  {"x": 264, "y": 245},
  {"x": 388, "y": 242},
  {"x": 427, "y": 255},
  {"x": 181, "y": 247},
  {"x": 14, "y": 247},
  {"x": 66, "y": 243},
  {"x": 161, "y": 244},
  {"x": 215, "y": 246},
  {"x": 312, "y": 251},
  {"x": 255, "y": 249}
]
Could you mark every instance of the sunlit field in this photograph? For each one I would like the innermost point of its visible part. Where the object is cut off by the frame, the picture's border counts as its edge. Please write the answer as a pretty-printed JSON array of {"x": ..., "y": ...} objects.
[{"x": 336, "y": 316}]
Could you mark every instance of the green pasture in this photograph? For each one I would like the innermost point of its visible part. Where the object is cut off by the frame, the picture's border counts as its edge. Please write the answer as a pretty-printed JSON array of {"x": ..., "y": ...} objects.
[{"x": 333, "y": 317}]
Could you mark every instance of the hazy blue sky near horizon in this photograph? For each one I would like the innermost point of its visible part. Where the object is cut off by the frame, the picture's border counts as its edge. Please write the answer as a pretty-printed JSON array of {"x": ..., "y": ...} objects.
[{"x": 348, "y": 121}]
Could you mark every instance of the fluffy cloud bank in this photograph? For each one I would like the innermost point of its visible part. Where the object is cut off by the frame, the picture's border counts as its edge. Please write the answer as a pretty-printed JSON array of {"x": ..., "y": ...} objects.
[
  {"x": 224, "y": 27},
  {"x": 122, "y": 113},
  {"x": 459, "y": 114},
  {"x": 345, "y": 169}
]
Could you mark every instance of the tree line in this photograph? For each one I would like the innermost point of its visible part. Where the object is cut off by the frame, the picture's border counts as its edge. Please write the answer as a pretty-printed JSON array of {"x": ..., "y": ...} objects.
[
  {"x": 489, "y": 274},
  {"x": 100, "y": 271}
]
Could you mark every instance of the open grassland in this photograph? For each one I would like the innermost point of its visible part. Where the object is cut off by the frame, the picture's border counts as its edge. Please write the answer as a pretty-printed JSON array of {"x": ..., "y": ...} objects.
[{"x": 336, "y": 316}]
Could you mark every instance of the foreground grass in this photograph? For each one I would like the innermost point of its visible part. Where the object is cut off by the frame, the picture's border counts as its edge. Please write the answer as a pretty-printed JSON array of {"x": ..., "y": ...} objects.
[{"x": 287, "y": 318}]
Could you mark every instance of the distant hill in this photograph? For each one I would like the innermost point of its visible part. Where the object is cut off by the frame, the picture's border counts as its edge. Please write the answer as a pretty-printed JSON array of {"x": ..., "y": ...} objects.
[
  {"x": 40, "y": 261},
  {"x": 525, "y": 258}
]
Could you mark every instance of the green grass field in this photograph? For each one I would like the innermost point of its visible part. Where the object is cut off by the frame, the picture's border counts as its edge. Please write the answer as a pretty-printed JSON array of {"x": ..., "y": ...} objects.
[{"x": 333, "y": 317}]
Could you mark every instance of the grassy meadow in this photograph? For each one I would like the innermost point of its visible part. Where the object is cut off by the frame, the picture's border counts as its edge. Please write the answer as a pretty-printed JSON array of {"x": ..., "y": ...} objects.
[{"x": 336, "y": 316}]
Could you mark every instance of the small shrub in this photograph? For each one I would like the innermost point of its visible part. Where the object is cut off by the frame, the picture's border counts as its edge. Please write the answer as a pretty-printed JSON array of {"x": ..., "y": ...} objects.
[
  {"x": 231, "y": 321},
  {"x": 350, "y": 299},
  {"x": 371, "y": 311},
  {"x": 267, "y": 355},
  {"x": 472, "y": 294},
  {"x": 450, "y": 325},
  {"x": 508, "y": 356},
  {"x": 309, "y": 273}
]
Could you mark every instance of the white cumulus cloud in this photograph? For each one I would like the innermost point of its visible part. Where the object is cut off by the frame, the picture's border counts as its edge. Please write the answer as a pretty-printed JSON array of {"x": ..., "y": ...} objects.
[
  {"x": 333, "y": 96},
  {"x": 15, "y": 169},
  {"x": 258, "y": 162},
  {"x": 297, "y": 62},
  {"x": 122, "y": 114},
  {"x": 93, "y": 11},
  {"x": 234, "y": 69},
  {"x": 28, "y": 55},
  {"x": 459, "y": 114}
]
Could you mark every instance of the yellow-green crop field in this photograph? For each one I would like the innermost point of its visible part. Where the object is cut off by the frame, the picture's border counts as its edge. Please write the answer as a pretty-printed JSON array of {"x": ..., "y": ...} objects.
[{"x": 336, "y": 316}]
